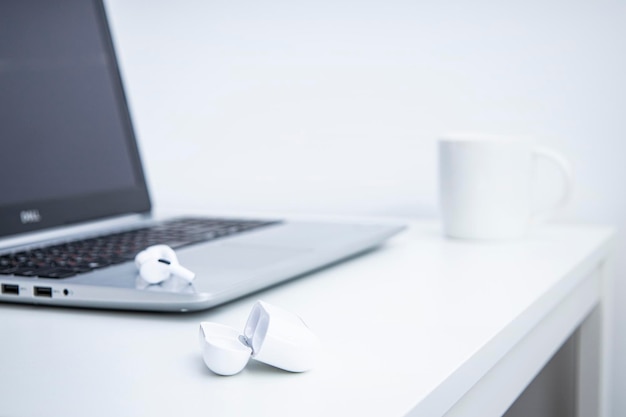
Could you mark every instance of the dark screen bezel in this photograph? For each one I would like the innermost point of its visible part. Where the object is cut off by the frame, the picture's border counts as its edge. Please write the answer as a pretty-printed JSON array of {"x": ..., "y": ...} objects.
[{"x": 81, "y": 208}]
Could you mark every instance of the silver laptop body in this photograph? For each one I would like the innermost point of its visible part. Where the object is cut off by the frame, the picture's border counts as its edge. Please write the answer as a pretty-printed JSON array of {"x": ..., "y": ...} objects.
[{"x": 70, "y": 171}]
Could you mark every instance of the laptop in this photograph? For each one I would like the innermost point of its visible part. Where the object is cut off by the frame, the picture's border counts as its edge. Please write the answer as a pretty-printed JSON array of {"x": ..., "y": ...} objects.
[{"x": 74, "y": 205}]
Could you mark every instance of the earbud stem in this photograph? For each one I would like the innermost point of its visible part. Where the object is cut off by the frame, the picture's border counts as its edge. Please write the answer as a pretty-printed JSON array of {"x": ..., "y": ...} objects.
[{"x": 182, "y": 272}]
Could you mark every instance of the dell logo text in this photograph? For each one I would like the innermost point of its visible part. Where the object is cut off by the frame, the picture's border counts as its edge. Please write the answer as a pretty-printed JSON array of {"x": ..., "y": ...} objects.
[{"x": 30, "y": 216}]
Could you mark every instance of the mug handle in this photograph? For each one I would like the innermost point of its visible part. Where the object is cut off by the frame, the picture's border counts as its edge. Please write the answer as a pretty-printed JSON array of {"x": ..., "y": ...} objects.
[{"x": 566, "y": 170}]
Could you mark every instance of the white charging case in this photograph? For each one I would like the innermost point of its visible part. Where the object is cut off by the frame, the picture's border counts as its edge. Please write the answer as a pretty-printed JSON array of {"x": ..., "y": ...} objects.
[{"x": 272, "y": 335}]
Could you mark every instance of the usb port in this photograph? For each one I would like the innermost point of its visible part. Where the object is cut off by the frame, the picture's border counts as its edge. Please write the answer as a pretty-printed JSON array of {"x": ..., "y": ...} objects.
[
  {"x": 42, "y": 291},
  {"x": 10, "y": 289}
]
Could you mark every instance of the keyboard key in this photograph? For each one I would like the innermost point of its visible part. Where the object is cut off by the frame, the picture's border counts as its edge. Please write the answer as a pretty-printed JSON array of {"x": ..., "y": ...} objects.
[{"x": 59, "y": 273}]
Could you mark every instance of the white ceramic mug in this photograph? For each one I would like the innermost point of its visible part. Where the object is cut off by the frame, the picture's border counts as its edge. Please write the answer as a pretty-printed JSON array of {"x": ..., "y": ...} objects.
[{"x": 485, "y": 185}]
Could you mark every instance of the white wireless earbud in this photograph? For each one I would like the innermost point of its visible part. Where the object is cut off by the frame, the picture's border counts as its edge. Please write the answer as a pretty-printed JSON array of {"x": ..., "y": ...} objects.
[
  {"x": 272, "y": 335},
  {"x": 157, "y": 263}
]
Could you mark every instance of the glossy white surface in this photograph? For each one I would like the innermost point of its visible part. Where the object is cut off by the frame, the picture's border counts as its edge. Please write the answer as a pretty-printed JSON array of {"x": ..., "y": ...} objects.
[
  {"x": 222, "y": 351},
  {"x": 417, "y": 326}
]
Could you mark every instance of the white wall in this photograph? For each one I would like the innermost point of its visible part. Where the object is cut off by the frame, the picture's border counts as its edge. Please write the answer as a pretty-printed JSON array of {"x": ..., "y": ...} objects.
[{"x": 333, "y": 106}]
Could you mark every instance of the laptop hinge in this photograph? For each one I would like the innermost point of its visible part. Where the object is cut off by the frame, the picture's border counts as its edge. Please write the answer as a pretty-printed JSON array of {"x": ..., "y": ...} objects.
[{"x": 82, "y": 230}]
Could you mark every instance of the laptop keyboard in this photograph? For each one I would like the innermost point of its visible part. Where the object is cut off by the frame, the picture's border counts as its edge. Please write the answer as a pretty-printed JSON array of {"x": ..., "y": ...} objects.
[{"x": 80, "y": 256}]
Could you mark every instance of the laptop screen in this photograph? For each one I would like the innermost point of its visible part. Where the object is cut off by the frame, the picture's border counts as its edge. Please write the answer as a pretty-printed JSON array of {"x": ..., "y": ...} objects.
[{"x": 68, "y": 152}]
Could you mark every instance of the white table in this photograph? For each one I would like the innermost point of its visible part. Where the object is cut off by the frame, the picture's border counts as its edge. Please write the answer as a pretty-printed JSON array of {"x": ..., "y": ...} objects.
[{"x": 423, "y": 326}]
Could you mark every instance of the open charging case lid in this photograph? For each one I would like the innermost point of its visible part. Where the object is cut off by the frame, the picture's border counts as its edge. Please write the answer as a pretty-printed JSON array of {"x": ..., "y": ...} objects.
[{"x": 272, "y": 335}]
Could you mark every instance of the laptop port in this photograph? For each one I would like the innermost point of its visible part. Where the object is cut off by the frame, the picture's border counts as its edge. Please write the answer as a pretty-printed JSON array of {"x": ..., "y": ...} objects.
[
  {"x": 10, "y": 289},
  {"x": 42, "y": 292}
]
